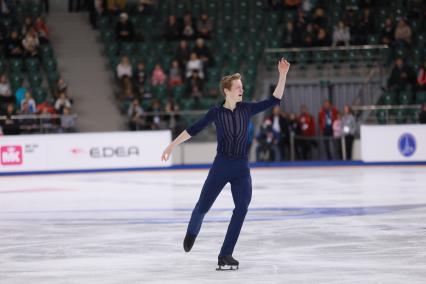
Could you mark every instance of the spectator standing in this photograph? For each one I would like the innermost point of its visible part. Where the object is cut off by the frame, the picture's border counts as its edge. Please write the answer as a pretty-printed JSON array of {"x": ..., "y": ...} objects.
[
  {"x": 348, "y": 130},
  {"x": 337, "y": 135},
  {"x": 307, "y": 130},
  {"x": 326, "y": 117}
]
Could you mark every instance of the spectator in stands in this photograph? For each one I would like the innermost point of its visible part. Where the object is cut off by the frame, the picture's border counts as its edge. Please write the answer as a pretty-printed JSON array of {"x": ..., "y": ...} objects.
[
  {"x": 267, "y": 148},
  {"x": 183, "y": 53},
  {"x": 28, "y": 104},
  {"x": 67, "y": 121},
  {"x": 294, "y": 129},
  {"x": 173, "y": 28},
  {"x": 194, "y": 80},
  {"x": 194, "y": 64},
  {"x": 124, "y": 30},
  {"x": 402, "y": 76},
  {"x": 158, "y": 75},
  {"x": 307, "y": 5},
  {"x": 144, "y": 7},
  {"x": 319, "y": 18},
  {"x": 140, "y": 76},
  {"x": 348, "y": 130},
  {"x": 203, "y": 52},
  {"x": 26, "y": 26},
  {"x": 308, "y": 36},
  {"x": 292, "y": 4},
  {"x": 61, "y": 103},
  {"x": 307, "y": 130},
  {"x": 155, "y": 120},
  {"x": 5, "y": 90},
  {"x": 322, "y": 38},
  {"x": 42, "y": 30},
  {"x": 388, "y": 32},
  {"x": 14, "y": 45},
  {"x": 20, "y": 93},
  {"x": 128, "y": 94},
  {"x": 173, "y": 117},
  {"x": 196, "y": 93},
  {"x": 175, "y": 74},
  {"x": 341, "y": 35},
  {"x": 188, "y": 30},
  {"x": 124, "y": 68},
  {"x": 289, "y": 35},
  {"x": 11, "y": 126},
  {"x": 326, "y": 117},
  {"x": 204, "y": 26},
  {"x": 366, "y": 26},
  {"x": 421, "y": 78},
  {"x": 4, "y": 8},
  {"x": 403, "y": 34},
  {"x": 280, "y": 126},
  {"x": 422, "y": 114},
  {"x": 337, "y": 135},
  {"x": 31, "y": 43},
  {"x": 61, "y": 86},
  {"x": 136, "y": 116},
  {"x": 46, "y": 120}
]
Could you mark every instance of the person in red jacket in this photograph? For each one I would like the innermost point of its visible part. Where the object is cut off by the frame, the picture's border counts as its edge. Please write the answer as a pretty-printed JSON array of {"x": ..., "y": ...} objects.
[
  {"x": 326, "y": 117},
  {"x": 307, "y": 129}
]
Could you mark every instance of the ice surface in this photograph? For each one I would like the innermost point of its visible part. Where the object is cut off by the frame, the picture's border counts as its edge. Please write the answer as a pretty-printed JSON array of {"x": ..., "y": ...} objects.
[{"x": 305, "y": 225}]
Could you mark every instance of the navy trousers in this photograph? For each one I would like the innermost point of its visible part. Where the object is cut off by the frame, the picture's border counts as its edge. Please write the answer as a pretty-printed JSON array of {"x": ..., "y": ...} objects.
[{"x": 225, "y": 169}]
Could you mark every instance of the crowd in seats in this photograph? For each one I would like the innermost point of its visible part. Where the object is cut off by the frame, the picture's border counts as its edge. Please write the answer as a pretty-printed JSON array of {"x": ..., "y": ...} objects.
[
  {"x": 27, "y": 61},
  {"x": 164, "y": 65},
  {"x": 273, "y": 138}
]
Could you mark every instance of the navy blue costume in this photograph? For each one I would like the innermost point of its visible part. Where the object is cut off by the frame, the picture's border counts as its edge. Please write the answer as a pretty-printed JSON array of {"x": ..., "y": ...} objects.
[{"x": 230, "y": 165}]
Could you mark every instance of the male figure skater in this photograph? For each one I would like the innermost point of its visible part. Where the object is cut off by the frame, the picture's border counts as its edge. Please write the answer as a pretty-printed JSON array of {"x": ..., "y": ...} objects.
[{"x": 231, "y": 162}]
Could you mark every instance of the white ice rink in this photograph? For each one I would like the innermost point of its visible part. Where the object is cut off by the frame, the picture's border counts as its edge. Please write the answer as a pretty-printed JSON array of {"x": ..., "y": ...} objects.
[{"x": 305, "y": 225}]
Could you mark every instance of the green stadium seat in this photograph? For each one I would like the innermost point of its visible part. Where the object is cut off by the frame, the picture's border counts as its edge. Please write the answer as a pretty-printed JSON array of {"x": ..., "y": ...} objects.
[
  {"x": 32, "y": 65},
  {"x": 421, "y": 97},
  {"x": 16, "y": 65},
  {"x": 35, "y": 80},
  {"x": 405, "y": 98},
  {"x": 382, "y": 116},
  {"x": 389, "y": 98},
  {"x": 39, "y": 94},
  {"x": 16, "y": 80}
]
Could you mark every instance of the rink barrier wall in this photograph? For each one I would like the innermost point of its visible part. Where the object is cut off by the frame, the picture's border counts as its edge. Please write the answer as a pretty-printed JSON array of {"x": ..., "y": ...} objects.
[
  {"x": 393, "y": 143},
  {"x": 289, "y": 165}
]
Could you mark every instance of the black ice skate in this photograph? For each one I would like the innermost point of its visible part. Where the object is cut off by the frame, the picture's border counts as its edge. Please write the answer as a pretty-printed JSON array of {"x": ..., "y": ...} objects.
[
  {"x": 227, "y": 263},
  {"x": 188, "y": 242}
]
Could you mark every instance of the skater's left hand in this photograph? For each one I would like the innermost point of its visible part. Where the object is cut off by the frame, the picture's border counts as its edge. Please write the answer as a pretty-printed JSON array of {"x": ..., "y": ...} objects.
[{"x": 283, "y": 66}]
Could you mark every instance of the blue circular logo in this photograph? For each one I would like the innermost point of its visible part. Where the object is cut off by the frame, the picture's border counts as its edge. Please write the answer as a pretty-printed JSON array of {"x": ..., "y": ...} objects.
[{"x": 407, "y": 144}]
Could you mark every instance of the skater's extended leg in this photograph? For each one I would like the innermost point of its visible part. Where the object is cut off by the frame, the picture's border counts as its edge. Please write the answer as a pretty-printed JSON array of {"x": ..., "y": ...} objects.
[
  {"x": 213, "y": 185},
  {"x": 241, "y": 194}
]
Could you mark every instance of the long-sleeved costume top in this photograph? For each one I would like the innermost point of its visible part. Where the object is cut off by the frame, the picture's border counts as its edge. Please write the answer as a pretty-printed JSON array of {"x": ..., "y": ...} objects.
[{"x": 232, "y": 126}]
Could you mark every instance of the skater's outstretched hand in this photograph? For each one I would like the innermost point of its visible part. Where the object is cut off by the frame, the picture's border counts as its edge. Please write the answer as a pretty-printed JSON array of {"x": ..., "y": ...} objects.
[
  {"x": 283, "y": 66},
  {"x": 167, "y": 152},
  {"x": 180, "y": 139}
]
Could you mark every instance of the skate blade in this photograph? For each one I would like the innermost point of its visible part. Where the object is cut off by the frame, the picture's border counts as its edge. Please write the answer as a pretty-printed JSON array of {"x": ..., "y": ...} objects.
[{"x": 227, "y": 267}]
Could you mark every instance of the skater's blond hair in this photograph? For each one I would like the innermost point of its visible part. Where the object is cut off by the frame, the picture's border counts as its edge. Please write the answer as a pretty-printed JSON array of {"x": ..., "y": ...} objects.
[{"x": 226, "y": 82}]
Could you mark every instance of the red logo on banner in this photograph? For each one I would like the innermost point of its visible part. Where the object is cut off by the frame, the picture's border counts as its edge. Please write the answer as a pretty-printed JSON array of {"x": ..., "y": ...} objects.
[
  {"x": 76, "y": 151},
  {"x": 11, "y": 155}
]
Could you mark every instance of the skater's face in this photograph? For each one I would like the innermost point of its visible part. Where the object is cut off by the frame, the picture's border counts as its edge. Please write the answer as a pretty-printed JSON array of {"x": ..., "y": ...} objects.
[{"x": 236, "y": 92}]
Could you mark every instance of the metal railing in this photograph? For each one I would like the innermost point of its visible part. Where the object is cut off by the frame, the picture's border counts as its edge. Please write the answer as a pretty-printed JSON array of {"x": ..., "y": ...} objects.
[{"x": 38, "y": 123}]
